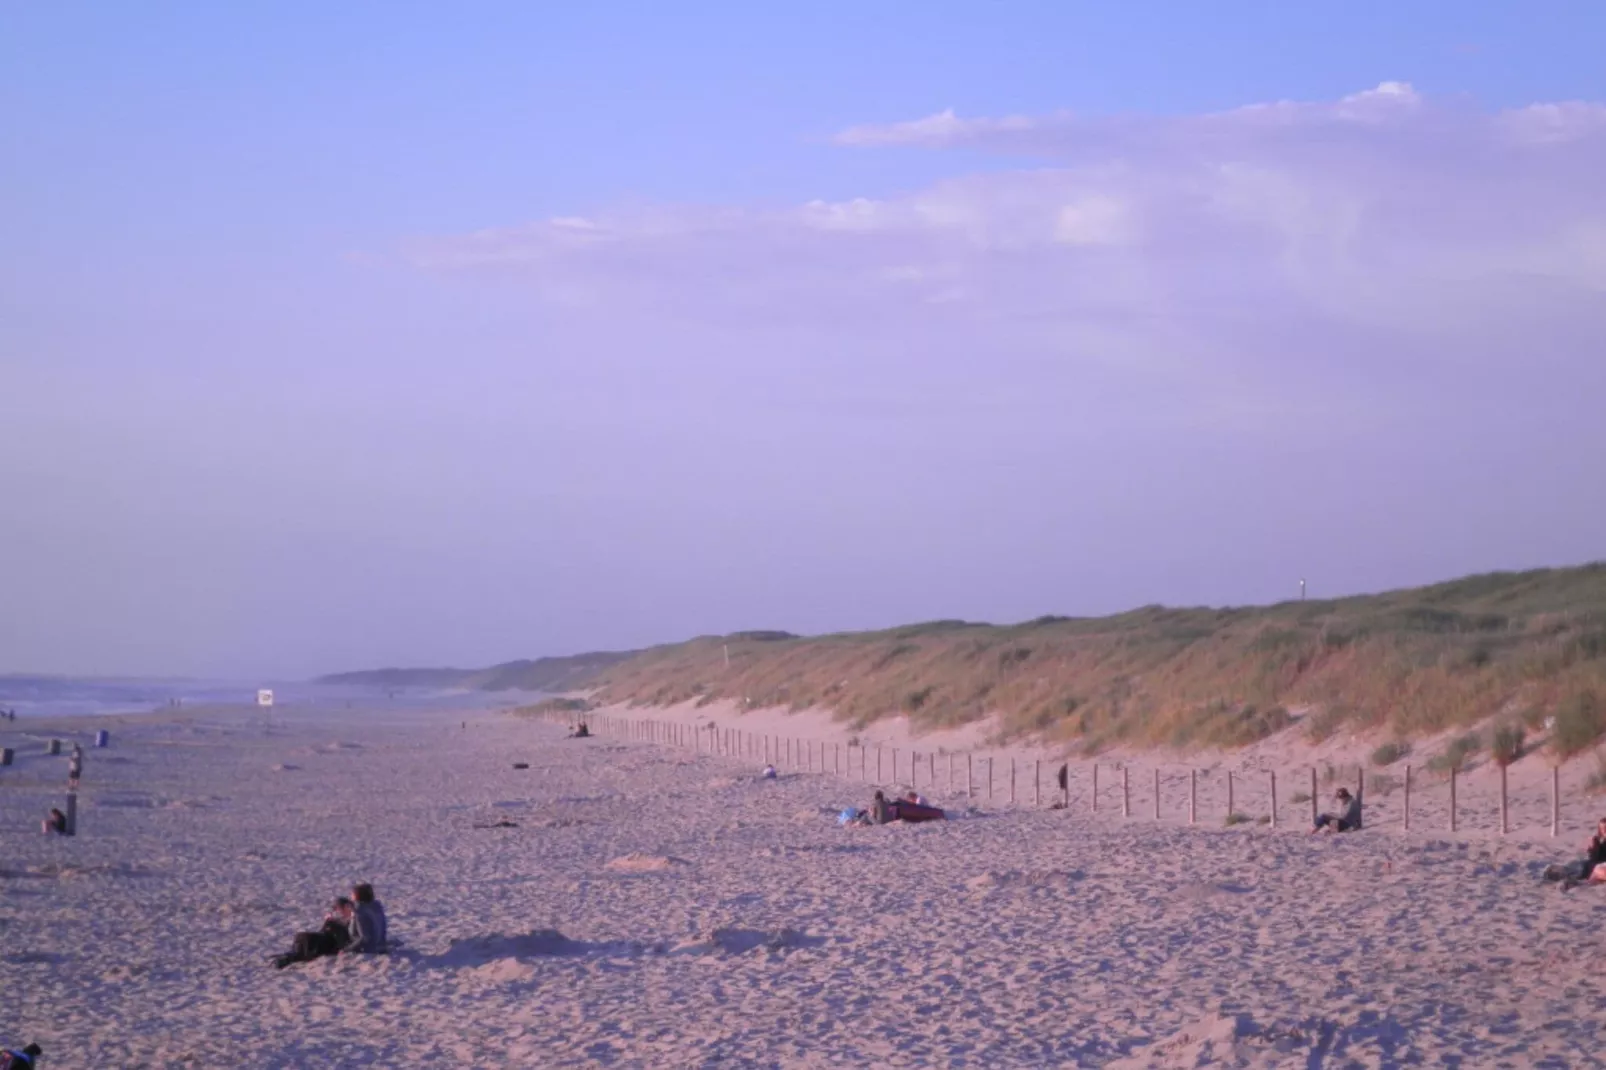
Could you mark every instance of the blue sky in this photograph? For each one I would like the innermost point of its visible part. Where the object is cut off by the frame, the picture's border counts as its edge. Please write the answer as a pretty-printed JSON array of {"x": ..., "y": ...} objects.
[{"x": 396, "y": 334}]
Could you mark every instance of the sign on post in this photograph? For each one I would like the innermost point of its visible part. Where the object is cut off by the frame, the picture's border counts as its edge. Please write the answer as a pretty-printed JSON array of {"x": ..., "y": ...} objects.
[{"x": 265, "y": 697}]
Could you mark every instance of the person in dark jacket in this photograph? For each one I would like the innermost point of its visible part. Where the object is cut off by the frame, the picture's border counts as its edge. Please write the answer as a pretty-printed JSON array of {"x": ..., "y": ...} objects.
[
  {"x": 882, "y": 811},
  {"x": 329, "y": 939},
  {"x": 368, "y": 923},
  {"x": 1591, "y": 867},
  {"x": 1347, "y": 820},
  {"x": 20, "y": 1059}
]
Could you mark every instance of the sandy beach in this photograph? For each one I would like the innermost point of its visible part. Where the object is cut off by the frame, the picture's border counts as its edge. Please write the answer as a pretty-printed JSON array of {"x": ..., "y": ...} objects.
[{"x": 654, "y": 906}]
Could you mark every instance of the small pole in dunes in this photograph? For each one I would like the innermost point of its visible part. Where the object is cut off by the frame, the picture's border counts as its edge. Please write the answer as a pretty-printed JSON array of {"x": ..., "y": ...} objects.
[
  {"x": 789, "y": 753},
  {"x": 950, "y": 770},
  {"x": 1274, "y": 798},
  {"x": 969, "y": 782},
  {"x": 990, "y": 761},
  {"x": 1229, "y": 793},
  {"x": 1407, "y": 798},
  {"x": 836, "y": 758},
  {"x": 1555, "y": 800},
  {"x": 1157, "y": 794},
  {"x": 1193, "y": 796},
  {"x": 1037, "y": 782},
  {"x": 914, "y": 767},
  {"x": 931, "y": 770},
  {"x": 1504, "y": 827},
  {"x": 1313, "y": 795},
  {"x": 1012, "y": 781},
  {"x": 1126, "y": 792},
  {"x": 894, "y": 765},
  {"x": 1452, "y": 798},
  {"x": 1095, "y": 787}
]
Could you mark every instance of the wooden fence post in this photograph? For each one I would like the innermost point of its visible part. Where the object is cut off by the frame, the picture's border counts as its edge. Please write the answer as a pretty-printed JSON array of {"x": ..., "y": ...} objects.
[
  {"x": 1504, "y": 826},
  {"x": 990, "y": 761},
  {"x": 914, "y": 768},
  {"x": 1126, "y": 792},
  {"x": 1157, "y": 793},
  {"x": 1037, "y": 782},
  {"x": 1095, "y": 787},
  {"x": 1274, "y": 798},
  {"x": 1229, "y": 793},
  {"x": 1193, "y": 795},
  {"x": 1407, "y": 798},
  {"x": 950, "y": 770},
  {"x": 1313, "y": 804},
  {"x": 1012, "y": 780},
  {"x": 1555, "y": 800},
  {"x": 1452, "y": 798},
  {"x": 931, "y": 770},
  {"x": 836, "y": 758},
  {"x": 969, "y": 778}
]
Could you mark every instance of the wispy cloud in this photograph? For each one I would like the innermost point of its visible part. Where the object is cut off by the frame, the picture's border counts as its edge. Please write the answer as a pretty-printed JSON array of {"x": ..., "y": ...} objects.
[{"x": 1200, "y": 245}]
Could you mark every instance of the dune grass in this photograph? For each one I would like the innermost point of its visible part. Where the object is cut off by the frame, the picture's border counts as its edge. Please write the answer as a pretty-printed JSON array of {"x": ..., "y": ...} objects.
[{"x": 1528, "y": 646}]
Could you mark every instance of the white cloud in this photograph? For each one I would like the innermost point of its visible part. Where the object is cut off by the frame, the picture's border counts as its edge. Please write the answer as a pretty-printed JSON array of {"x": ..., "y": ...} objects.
[{"x": 1178, "y": 245}]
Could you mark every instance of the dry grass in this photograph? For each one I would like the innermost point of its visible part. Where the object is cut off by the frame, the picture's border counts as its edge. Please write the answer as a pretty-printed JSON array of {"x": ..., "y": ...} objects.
[{"x": 1415, "y": 662}]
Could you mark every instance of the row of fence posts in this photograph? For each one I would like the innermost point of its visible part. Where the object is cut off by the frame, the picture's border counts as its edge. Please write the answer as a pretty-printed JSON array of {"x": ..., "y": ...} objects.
[{"x": 795, "y": 753}]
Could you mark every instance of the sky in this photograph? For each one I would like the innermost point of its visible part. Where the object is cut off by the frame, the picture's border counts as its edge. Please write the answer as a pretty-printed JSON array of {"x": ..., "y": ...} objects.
[{"x": 335, "y": 337}]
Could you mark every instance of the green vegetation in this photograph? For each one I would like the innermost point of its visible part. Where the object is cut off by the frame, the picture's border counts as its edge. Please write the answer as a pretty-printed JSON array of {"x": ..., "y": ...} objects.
[
  {"x": 1390, "y": 752},
  {"x": 1457, "y": 754},
  {"x": 1237, "y": 819},
  {"x": 1580, "y": 722},
  {"x": 538, "y": 674},
  {"x": 1505, "y": 743},
  {"x": 550, "y": 706},
  {"x": 1414, "y": 662}
]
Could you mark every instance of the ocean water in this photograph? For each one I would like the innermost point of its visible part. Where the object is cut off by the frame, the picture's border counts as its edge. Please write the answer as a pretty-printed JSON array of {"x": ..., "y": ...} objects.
[{"x": 62, "y": 696}]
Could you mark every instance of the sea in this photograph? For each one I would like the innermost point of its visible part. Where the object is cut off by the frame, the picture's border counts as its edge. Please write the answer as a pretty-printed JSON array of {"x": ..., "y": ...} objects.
[{"x": 33, "y": 696}]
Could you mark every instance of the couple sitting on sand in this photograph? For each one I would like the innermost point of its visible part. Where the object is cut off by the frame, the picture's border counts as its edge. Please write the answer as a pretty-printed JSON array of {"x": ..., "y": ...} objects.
[
  {"x": 1590, "y": 869},
  {"x": 349, "y": 928},
  {"x": 883, "y": 810}
]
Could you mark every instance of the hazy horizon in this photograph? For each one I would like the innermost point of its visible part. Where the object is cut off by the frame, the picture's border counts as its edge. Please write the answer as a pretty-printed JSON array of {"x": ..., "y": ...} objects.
[{"x": 333, "y": 340}]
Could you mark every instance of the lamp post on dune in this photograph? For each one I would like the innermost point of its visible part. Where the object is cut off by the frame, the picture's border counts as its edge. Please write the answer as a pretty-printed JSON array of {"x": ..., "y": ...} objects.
[{"x": 1301, "y": 590}]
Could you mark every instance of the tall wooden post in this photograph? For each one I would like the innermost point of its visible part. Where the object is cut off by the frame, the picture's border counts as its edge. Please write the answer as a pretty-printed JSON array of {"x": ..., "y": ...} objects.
[
  {"x": 1408, "y": 798},
  {"x": 1037, "y": 782},
  {"x": 1452, "y": 798},
  {"x": 931, "y": 770},
  {"x": 1229, "y": 793},
  {"x": 1012, "y": 781},
  {"x": 1313, "y": 803},
  {"x": 1555, "y": 800},
  {"x": 914, "y": 769},
  {"x": 969, "y": 777},
  {"x": 1193, "y": 796},
  {"x": 1095, "y": 787},
  {"x": 1157, "y": 794},
  {"x": 1274, "y": 798},
  {"x": 990, "y": 760},
  {"x": 1126, "y": 792},
  {"x": 1504, "y": 825},
  {"x": 950, "y": 770}
]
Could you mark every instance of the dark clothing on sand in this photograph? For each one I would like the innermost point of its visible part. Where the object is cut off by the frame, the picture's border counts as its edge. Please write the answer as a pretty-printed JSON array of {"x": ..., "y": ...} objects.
[
  {"x": 368, "y": 928},
  {"x": 312, "y": 945}
]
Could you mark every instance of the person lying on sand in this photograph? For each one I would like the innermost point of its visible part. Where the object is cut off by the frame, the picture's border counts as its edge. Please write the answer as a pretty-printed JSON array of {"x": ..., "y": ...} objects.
[
  {"x": 1349, "y": 820},
  {"x": 368, "y": 924},
  {"x": 20, "y": 1059},
  {"x": 916, "y": 798},
  {"x": 333, "y": 935},
  {"x": 55, "y": 824},
  {"x": 1588, "y": 868}
]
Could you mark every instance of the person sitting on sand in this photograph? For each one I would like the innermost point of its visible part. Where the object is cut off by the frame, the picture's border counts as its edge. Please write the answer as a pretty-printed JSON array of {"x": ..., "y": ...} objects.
[
  {"x": 1588, "y": 868},
  {"x": 55, "y": 824},
  {"x": 882, "y": 811},
  {"x": 1347, "y": 821},
  {"x": 20, "y": 1059},
  {"x": 916, "y": 798},
  {"x": 769, "y": 772},
  {"x": 333, "y": 935},
  {"x": 368, "y": 924}
]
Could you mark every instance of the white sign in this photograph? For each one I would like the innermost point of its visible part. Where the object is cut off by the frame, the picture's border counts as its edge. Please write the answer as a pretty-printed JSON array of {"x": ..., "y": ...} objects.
[{"x": 264, "y": 698}]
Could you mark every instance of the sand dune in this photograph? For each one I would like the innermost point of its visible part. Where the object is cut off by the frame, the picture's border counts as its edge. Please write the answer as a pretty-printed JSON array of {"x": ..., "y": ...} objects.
[{"x": 649, "y": 907}]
